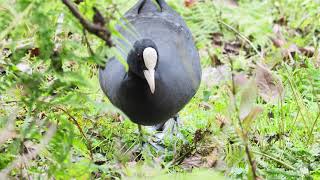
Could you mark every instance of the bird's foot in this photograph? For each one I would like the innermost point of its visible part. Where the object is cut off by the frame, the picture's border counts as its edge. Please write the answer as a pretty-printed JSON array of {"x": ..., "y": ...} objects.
[
  {"x": 169, "y": 130},
  {"x": 151, "y": 142},
  {"x": 161, "y": 135}
]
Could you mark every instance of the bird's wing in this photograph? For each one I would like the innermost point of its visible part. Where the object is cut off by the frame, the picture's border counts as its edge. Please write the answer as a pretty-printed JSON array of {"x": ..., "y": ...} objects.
[{"x": 111, "y": 78}]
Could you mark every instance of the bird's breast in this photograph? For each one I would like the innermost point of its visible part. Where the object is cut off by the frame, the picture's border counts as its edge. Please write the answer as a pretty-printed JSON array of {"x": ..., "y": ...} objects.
[{"x": 143, "y": 107}]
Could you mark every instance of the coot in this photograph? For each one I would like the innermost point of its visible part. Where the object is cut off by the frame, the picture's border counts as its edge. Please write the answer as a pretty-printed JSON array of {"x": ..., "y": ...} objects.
[{"x": 164, "y": 67}]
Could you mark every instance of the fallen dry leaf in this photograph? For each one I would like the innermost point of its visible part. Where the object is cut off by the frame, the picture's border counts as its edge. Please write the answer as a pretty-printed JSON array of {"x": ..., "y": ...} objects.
[
  {"x": 217, "y": 38},
  {"x": 34, "y": 52},
  {"x": 211, "y": 160},
  {"x": 194, "y": 161},
  {"x": 310, "y": 51},
  {"x": 282, "y": 21},
  {"x": 198, "y": 160},
  {"x": 232, "y": 47},
  {"x": 206, "y": 106},
  {"x": 307, "y": 51},
  {"x": 270, "y": 87},
  {"x": 290, "y": 51},
  {"x": 278, "y": 40},
  {"x": 222, "y": 120},
  {"x": 189, "y": 3},
  {"x": 2, "y": 70}
]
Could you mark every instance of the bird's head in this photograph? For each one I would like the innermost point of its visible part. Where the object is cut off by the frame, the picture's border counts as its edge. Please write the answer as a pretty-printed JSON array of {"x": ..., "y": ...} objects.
[{"x": 143, "y": 61}]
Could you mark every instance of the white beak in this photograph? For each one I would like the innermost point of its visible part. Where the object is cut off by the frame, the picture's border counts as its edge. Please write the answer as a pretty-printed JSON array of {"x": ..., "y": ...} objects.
[
  {"x": 149, "y": 75},
  {"x": 150, "y": 58}
]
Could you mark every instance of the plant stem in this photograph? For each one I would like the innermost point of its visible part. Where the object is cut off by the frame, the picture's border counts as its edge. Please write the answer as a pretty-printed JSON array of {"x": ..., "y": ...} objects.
[
  {"x": 89, "y": 144},
  {"x": 241, "y": 36},
  {"x": 87, "y": 42},
  {"x": 318, "y": 116},
  {"x": 295, "y": 95},
  {"x": 244, "y": 135},
  {"x": 312, "y": 128}
]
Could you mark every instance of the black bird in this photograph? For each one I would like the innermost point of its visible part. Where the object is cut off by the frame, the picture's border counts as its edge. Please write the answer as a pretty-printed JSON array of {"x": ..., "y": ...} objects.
[{"x": 164, "y": 67}]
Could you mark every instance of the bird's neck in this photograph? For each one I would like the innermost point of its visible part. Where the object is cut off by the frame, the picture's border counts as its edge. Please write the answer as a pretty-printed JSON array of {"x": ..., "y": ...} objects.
[{"x": 134, "y": 74}]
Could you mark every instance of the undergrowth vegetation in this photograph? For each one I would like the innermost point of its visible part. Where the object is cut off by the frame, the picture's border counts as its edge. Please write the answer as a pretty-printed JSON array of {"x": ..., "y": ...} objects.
[{"x": 255, "y": 116}]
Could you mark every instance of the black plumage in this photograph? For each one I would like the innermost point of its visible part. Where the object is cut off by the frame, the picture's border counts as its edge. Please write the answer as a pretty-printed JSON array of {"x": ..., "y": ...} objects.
[{"x": 177, "y": 73}]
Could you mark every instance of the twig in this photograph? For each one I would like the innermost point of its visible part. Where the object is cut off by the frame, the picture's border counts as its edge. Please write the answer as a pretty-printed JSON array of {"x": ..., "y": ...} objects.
[
  {"x": 87, "y": 42},
  {"x": 244, "y": 136},
  {"x": 95, "y": 29},
  {"x": 89, "y": 144},
  {"x": 26, "y": 158}
]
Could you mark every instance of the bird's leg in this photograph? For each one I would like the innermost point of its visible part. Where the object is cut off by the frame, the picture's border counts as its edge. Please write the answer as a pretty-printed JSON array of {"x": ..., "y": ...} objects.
[
  {"x": 178, "y": 125},
  {"x": 170, "y": 127},
  {"x": 177, "y": 120},
  {"x": 143, "y": 141},
  {"x": 159, "y": 127},
  {"x": 176, "y": 132},
  {"x": 140, "y": 137}
]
